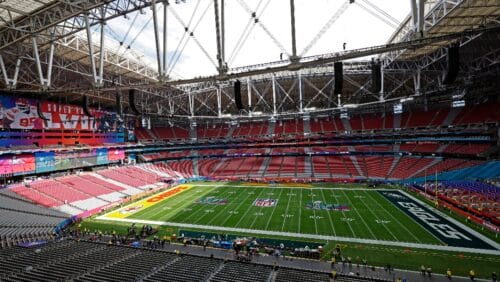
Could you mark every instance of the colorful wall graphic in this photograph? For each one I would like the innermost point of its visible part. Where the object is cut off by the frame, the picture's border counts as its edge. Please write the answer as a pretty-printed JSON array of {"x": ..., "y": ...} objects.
[
  {"x": 62, "y": 124},
  {"x": 17, "y": 164}
]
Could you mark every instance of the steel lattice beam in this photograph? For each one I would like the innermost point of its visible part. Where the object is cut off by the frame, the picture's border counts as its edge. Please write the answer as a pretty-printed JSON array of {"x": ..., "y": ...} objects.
[{"x": 68, "y": 18}]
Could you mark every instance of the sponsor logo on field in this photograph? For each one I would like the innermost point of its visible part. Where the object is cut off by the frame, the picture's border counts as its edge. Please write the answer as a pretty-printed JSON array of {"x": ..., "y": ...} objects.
[
  {"x": 211, "y": 201},
  {"x": 265, "y": 203},
  {"x": 132, "y": 209},
  {"x": 148, "y": 202},
  {"x": 319, "y": 205},
  {"x": 166, "y": 194}
]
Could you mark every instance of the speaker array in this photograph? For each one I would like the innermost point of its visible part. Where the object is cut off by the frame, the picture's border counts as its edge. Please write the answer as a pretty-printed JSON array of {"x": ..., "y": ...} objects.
[
  {"x": 118, "y": 107},
  {"x": 376, "y": 77},
  {"x": 237, "y": 95},
  {"x": 452, "y": 66},
  {"x": 131, "y": 102},
  {"x": 85, "y": 106},
  {"x": 339, "y": 78}
]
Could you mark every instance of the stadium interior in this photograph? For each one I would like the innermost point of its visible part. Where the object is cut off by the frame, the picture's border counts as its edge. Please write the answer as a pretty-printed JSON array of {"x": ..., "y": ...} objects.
[{"x": 96, "y": 141}]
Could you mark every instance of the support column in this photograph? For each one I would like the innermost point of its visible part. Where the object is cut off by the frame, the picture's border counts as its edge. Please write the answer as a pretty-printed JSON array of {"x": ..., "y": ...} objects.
[
  {"x": 220, "y": 58},
  {"x": 191, "y": 103},
  {"x": 381, "y": 93},
  {"x": 292, "y": 23},
  {"x": 10, "y": 83},
  {"x": 44, "y": 81},
  {"x": 301, "y": 97},
  {"x": 414, "y": 13},
  {"x": 223, "y": 31},
  {"x": 157, "y": 39},
  {"x": 421, "y": 16},
  {"x": 416, "y": 82},
  {"x": 102, "y": 46},
  {"x": 165, "y": 5},
  {"x": 219, "y": 101},
  {"x": 274, "y": 95},
  {"x": 171, "y": 106},
  {"x": 91, "y": 49},
  {"x": 249, "y": 95},
  {"x": 38, "y": 63}
]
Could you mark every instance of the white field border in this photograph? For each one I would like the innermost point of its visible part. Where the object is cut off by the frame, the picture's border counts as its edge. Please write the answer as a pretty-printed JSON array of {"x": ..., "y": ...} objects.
[
  {"x": 308, "y": 236},
  {"x": 327, "y": 237}
]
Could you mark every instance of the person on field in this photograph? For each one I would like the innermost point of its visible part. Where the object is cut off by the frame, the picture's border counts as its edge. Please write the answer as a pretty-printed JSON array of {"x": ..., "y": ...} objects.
[
  {"x": 472, "y": 274},
  {"x": 448, "y": 274},
  {"x": 422, "y": 269},
  {"x": 494, "y": 277}
]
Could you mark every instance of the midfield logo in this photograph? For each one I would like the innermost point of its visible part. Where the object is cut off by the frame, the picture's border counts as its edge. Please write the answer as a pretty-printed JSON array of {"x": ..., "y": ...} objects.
[
  {"x": 211, "y": 201},
  {"x": 265, "y": 203},
  {"x": 319, "y": 205}
]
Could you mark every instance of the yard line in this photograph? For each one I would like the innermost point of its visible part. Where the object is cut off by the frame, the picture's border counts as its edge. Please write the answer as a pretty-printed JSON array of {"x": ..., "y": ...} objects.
[
  {"x": 376, "y": 217},
  {"x": 250, "y": 207},
  {"x": 393, "y": 217},
  {"x": 153, "y": 211},
  {"x": 329, "y": 216},
  {"x": 300, "y": 207},
  {"x": 191, "y": 213},
  {"x": 224, "y": 195},
  {"x": 314, "y": 212},
  {"x": 343, "y": 214},
  {"x": 227, "y": 206},
  {"x": 356, "y": 210},
  {"x": 274, "y": 208},
  {"x": 286, "y": 211}
]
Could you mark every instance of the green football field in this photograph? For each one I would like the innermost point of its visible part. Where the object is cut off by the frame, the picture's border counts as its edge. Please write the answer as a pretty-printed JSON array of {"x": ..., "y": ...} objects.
[
  {"x": 368, "y": 216},
  {"x": 381, "y": 225},
  {"x": 306, "y": 212}
]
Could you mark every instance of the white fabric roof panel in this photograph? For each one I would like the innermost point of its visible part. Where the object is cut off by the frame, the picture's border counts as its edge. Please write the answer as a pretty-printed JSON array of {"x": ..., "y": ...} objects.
[{"x": 11, "y": 10}]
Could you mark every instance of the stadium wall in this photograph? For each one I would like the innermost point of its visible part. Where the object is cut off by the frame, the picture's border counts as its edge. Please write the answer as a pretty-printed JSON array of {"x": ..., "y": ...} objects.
[
  {"x": 490, "y": 170},
  {"x": 48, "y": 161}
]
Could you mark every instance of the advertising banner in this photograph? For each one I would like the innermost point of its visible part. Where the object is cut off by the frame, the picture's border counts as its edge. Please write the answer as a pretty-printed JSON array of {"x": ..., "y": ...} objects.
[
  {"x": 62, "y": 161},
  {"x": 45, "y": 161},
  {"x": 115, "y": 155},
  {"x": 17, "y": 164},
  {"x": 102, "y": 156}
]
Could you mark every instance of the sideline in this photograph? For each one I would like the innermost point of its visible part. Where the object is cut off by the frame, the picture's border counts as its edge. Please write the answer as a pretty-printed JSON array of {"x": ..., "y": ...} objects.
[
  {"x": 307, "y": 236},
  {"x": 295, "y": 187}
]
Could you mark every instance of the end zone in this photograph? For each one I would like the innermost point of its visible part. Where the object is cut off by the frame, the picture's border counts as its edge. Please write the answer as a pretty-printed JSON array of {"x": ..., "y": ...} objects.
[{"x": 145, "y": 203}]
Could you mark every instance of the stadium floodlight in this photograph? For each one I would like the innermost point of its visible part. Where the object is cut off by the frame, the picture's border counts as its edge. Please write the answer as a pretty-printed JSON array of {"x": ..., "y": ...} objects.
[
  {"x": 458, "y": 104},
  {"x": 403, "y": 100},
  {"x": 310, "y": 109},
  {"x": 398, "y": 108},
  {"x": 350, "y": 106},
  {"x": 226, "y": 115},
  {"x": 258, "y": 113}
]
